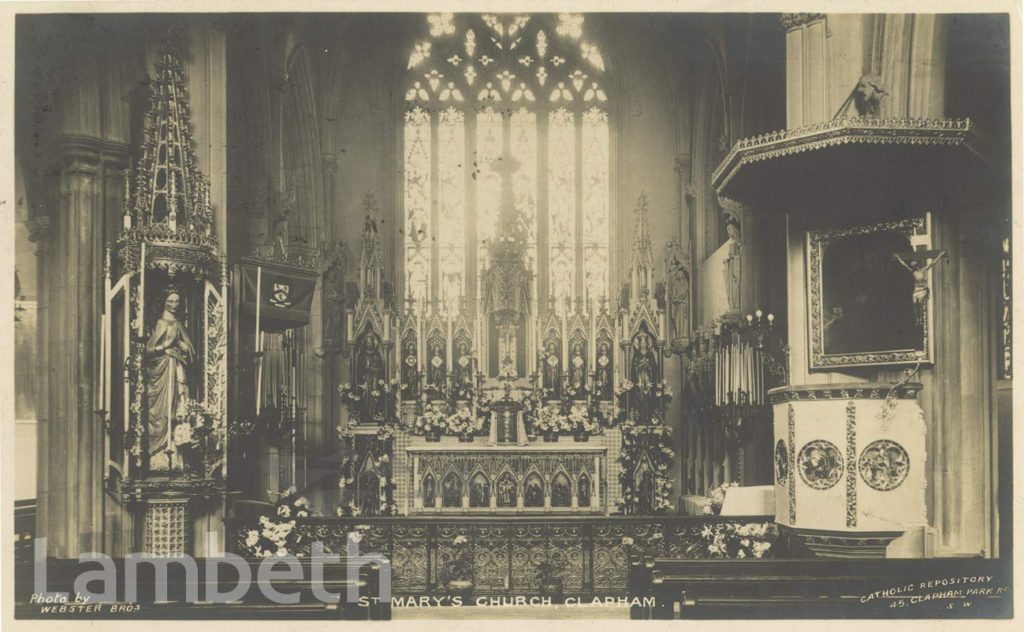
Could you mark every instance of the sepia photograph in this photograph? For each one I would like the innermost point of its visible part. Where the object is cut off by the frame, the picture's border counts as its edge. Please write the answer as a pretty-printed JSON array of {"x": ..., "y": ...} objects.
[{"x": 429, "y": 312}]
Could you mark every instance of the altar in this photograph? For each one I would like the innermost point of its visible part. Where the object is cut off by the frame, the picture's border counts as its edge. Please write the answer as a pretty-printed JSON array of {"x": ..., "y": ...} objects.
[{"x": 564, "y": 476}]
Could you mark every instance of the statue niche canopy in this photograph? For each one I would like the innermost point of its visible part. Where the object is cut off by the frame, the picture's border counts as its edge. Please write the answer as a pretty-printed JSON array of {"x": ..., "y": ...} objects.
[{"x": 164, "y": 344}]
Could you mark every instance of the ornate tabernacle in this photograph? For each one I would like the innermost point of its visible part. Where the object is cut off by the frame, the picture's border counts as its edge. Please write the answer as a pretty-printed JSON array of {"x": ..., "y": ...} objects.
[{"x": 164, "y": 324}]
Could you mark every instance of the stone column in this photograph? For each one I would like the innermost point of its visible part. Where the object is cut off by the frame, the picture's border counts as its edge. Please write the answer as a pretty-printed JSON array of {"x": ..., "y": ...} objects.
[{"x": 71, "y": 297}]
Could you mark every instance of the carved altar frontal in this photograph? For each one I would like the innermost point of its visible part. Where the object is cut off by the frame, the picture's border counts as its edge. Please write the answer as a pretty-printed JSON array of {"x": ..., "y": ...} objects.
[{"x": 480, "y": 478}]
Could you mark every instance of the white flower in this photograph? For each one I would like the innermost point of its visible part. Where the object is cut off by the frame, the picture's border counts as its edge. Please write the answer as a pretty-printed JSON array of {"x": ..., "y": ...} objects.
[
  {"x": 627, "y": 541},
  {"x": 301, "y": 513},
  {"x": 459, "y": 539},
  {"x": 254, "y": 537},
  {"x": 284, "y": 511},
  {"x": 740, "y": 554},
  {"x": 302, "y": 502}
]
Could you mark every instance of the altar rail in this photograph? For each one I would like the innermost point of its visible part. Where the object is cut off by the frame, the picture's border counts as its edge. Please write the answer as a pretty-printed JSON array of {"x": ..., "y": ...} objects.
[{"x": 592, "y": 553}]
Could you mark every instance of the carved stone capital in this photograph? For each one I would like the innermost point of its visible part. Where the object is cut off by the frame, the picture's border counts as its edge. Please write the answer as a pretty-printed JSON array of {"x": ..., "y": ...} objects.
[
  {"x": 88, "y": 154},
  {"x": 683, "y": 164},
  {"x": 790, "y": 21},
  {"x": 38, "y": 228}
]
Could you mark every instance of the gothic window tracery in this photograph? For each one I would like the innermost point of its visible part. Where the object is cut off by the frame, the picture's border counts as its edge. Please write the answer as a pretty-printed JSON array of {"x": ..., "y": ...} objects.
[{"x": 481, "y": 87}]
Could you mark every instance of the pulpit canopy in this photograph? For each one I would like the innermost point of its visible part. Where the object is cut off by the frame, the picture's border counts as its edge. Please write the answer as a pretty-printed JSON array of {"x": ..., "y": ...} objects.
[{"x": 792, "y": 169}]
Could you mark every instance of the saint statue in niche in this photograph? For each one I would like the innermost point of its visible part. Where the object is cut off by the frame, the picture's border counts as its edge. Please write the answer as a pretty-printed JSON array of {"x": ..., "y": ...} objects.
[
  {"x": 644, "y": 369},
  {"x": 429, "y": 491},
  {"x": 479, "y": 492},
  {"x": 463, "y": 364},
  {"x": 732, "y": 263},
  {"x": 583, "y": 491},
  {"x": 369, "y": 494},
  {"x": 552, "y": 372},
  {"x": 370, "y": 374},
  {"x": 679, "y": 294},
  {"x": 436, "y": 373},
  {"x": 533, "y": 495},
  {"x": 451, "y": 491},
  {"x": 370, "y": 365},
  {"x": 603, "y": 373},
  {"x": 169, "y": 356},
  {"x": 334, "y": 304},
  {"x": 561, "y": 494},
  {"x": 645, "y": 493},
  {"x": 410, "y": 371},
  {"x": 578, "y": 369},
  {"x": 506, "y": 492}
]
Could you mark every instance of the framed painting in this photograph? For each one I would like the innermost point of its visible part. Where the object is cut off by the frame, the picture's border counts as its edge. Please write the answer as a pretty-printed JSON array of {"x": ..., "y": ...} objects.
[{"x": 870, "y": 295}]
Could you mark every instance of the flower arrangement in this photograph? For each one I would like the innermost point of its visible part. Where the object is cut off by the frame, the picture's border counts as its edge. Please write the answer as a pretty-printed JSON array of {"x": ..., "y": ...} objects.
[
  {"x": 435, "y": 420},
  {"x": 653, "y": 440},
  {"x": 199, "y": 435},
  {"x": 368, "y": 404},
  {"x": 715, "y": 498},
  {"x": 728, "y": 540},
  {"x": 552, "y": 422},
  {"x": 277, "y": 535},
  {"x": 631, "y": 397},
  {"x": 460, "y": 566}
]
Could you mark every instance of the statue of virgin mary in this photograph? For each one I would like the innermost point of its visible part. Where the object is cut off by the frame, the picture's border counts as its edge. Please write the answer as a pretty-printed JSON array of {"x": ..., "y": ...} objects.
[{"x": 169, "y": 355}]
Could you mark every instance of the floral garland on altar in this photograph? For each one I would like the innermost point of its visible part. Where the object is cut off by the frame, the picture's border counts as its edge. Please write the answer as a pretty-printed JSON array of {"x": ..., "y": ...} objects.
[{"x": 655, "y": 441}]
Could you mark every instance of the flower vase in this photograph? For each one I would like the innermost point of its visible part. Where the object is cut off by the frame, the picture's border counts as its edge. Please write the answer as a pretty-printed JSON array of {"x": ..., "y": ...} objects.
[
  {"x": 466, "y": 438},
  {"x": 550, "y": 437},
  {"x": 581, "y": 436},
  {"x": 433, "y": 436}
]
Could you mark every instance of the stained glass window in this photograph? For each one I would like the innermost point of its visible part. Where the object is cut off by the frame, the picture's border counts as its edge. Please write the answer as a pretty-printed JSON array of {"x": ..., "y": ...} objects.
[
  {"x": 451, "y": 184},
  {"x": 595, "y": 203},
  {"x": 417, "y": 203},
  {"x": 481, "y": 89},
  {"x": 561, "y": 205}
]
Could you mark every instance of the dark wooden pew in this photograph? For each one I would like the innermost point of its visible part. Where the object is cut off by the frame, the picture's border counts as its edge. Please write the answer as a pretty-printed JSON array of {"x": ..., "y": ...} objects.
[{"x": 816, "y": 588}]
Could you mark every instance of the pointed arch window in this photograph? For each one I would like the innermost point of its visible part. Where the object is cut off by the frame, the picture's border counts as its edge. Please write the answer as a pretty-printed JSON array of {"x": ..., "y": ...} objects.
[{"x": 483, "y": 87}]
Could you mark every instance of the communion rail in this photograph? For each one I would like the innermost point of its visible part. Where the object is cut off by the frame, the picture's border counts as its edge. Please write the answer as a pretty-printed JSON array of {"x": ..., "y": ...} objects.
[{"x": 590, "y": 553}]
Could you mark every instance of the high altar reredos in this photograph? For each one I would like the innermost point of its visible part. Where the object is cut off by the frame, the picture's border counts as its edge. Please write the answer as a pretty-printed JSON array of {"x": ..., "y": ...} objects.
[{"x": 504, "y": 407}]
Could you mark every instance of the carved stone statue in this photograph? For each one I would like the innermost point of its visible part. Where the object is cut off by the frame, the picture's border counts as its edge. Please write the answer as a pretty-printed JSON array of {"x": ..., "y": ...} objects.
[
  {"x": 370, "y": 364},
  {"x": 552, "y": 369},
  {"x": 577, "y": 368},
  {"x": 644, "y": 366},
  {"x": 334, "y": 304},
  {"x": 868, "y": 95},
  {"x": 732, "y": 263},
  {"x": 678, "y": 293},
  {"x": 437, "y": 371},
  {"x": 603, "y": 372},
  {"x": 463, "y": 364},
  {"x": 169, "y": 356},
  {"x": 410, "y": 371}
]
